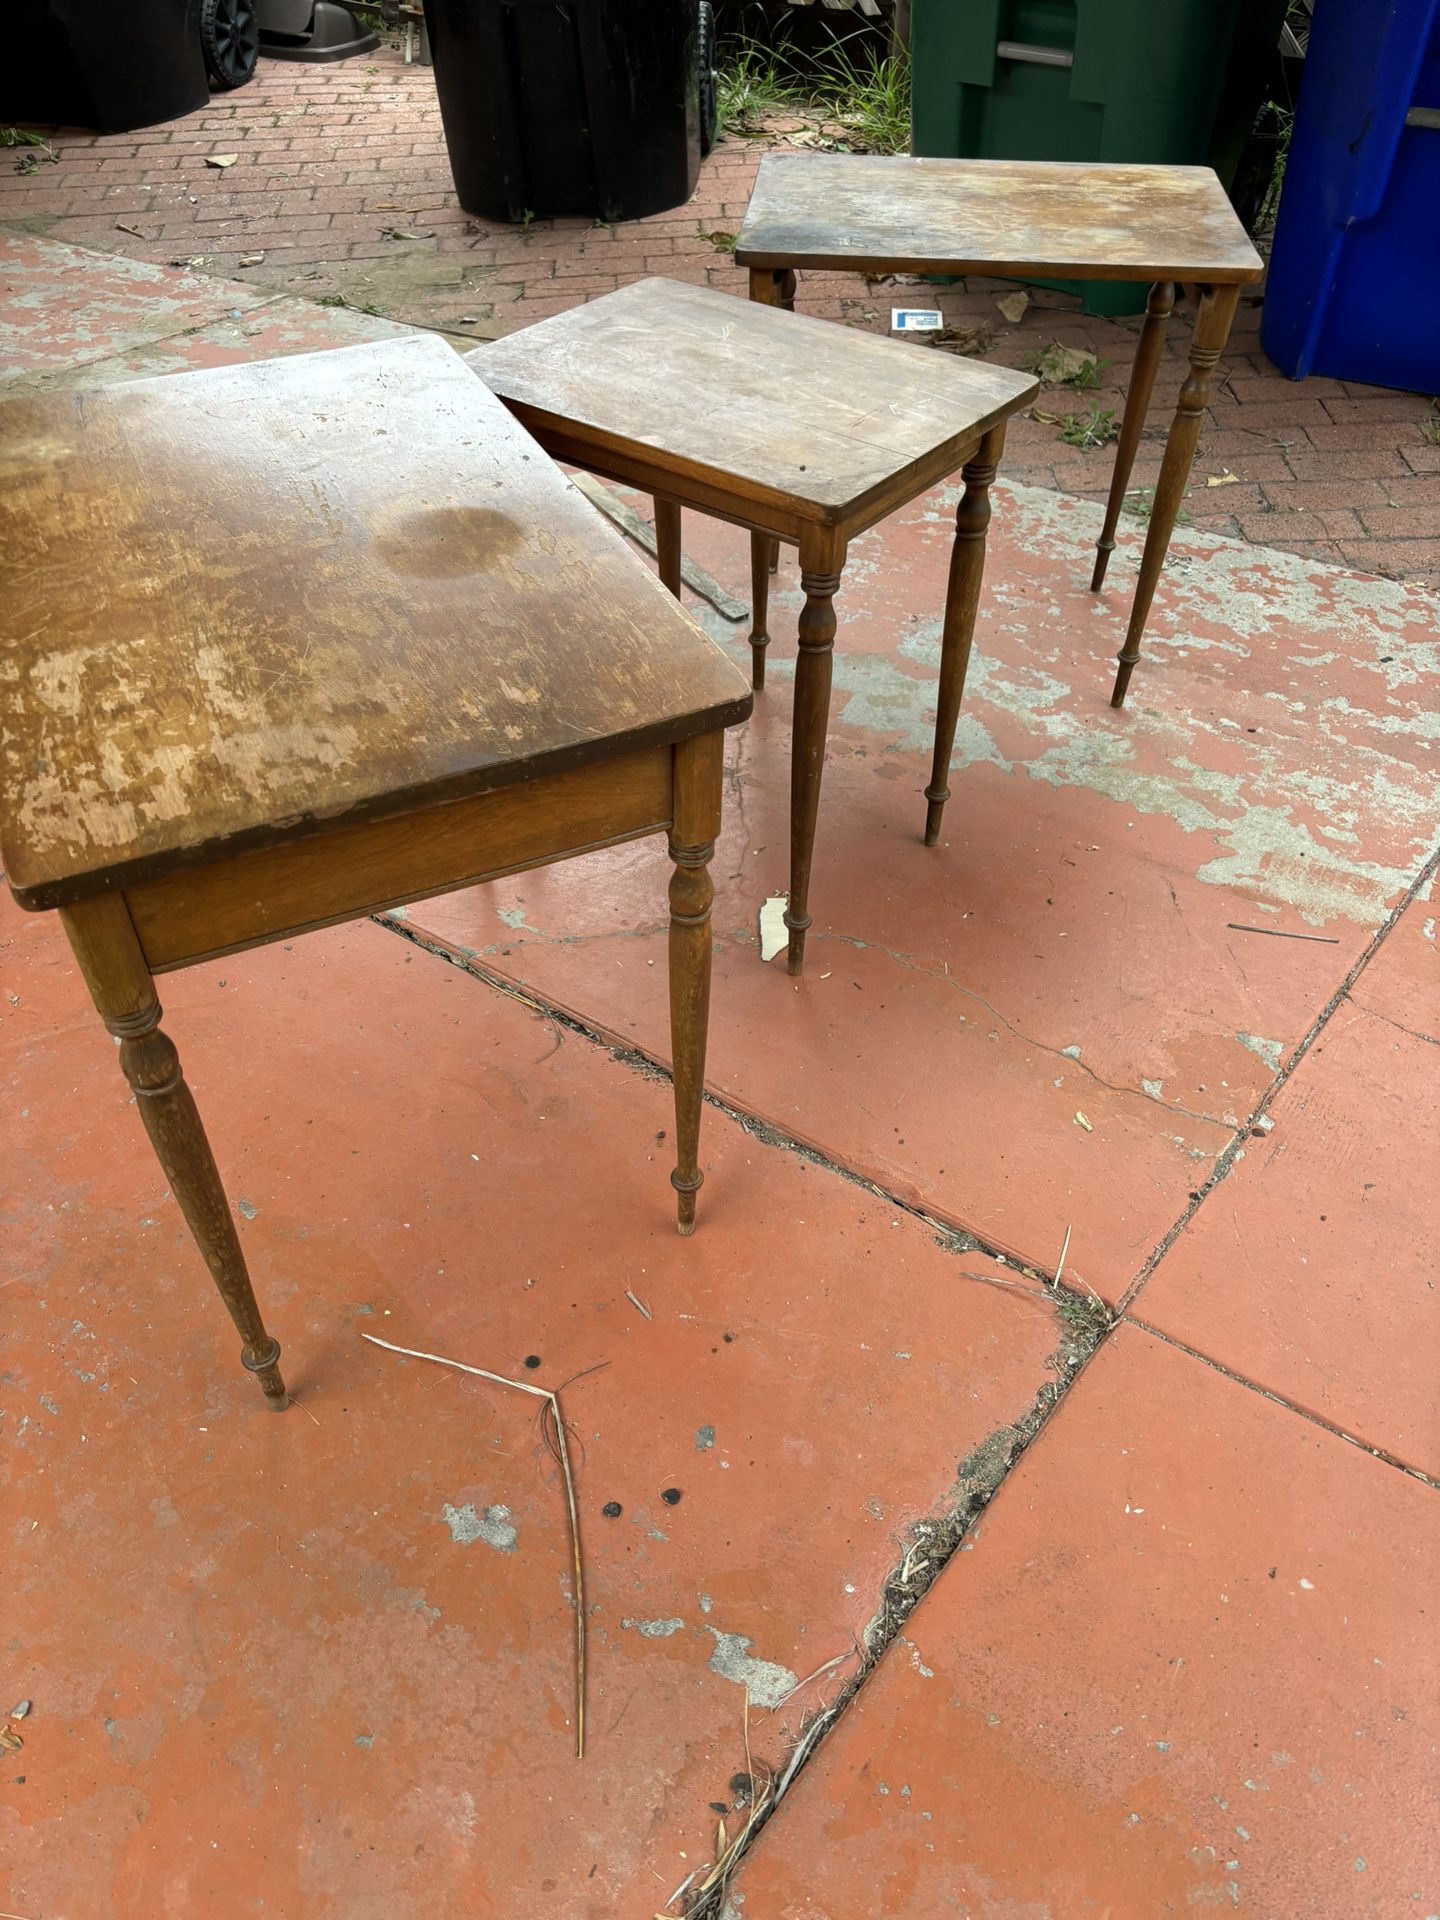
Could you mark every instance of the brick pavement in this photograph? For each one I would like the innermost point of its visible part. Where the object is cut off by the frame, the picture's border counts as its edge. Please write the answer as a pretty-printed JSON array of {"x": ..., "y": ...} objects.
[{"x": 329, "y": 158}]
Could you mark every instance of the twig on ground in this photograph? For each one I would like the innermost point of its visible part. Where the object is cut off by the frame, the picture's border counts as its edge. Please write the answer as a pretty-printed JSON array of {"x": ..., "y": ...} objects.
[
  {"x": 639, "y": 1305},
  {"x": 562, "y": 1454},
  {"x": 1060, "y": 1263},
  {"x": 1284, "y": 933}
]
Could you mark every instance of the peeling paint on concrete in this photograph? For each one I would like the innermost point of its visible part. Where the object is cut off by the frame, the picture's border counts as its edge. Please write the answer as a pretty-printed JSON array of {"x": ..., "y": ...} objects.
[
  {"x": 1270, "y": 1051},
  {"x": 653, "y": 1629},
  {"x": 704, "y": 1439},
  {"x": 494, "y": 1526},
  {"x": 765, "y": 1681}
]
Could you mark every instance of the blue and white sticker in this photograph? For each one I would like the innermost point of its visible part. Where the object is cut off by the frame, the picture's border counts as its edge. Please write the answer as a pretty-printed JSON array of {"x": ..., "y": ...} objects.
[{"x": 916, "y": 320}]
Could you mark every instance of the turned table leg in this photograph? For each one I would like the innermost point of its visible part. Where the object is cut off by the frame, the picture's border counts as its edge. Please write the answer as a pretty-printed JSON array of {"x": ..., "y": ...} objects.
[
  {"x": 698, "y": 776},
  {"x": 1212, "y": 329},
  {"x": 962, "y": 600},
  {"x": 667, "y": 542},
  {"x": 760, "y": 545},
  {"x": 109, "y": 954},
  {"x": 771, "y": 287},
  {"x": 822, "y": 560},
  {"x": 1158, "y": 309}
]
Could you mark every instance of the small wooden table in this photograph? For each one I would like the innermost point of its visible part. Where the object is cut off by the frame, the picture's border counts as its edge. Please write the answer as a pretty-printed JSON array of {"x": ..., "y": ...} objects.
[
  {"x": 1022, "y": 219},
  {"x": 800, "y": 430},
  {"x": 286, "y": 644}
]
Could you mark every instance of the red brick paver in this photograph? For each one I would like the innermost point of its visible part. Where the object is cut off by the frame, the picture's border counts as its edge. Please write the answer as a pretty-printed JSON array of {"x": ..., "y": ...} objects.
[{"x": 333, "y": 161}]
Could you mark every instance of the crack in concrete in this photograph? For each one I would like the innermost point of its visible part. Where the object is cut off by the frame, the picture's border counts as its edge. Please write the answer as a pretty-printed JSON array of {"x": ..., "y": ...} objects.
[
  {"x": 1399, "y": 1025},
  {"x": 1228, "y": 1158},
  {"x": 1042, "y": 1046}
]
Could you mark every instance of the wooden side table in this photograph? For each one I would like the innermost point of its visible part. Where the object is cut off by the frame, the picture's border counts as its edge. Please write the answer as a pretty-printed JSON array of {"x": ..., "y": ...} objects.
[
  {"x": 289, "y": 643},
  {"x": 800, "y": 430},
  {"x": 875, "y": 215}
]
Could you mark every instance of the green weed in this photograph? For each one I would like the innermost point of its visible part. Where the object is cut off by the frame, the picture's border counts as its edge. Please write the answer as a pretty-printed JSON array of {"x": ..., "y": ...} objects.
[
  {"x": 1094, "y": 428},
  {"x": 850, "y": 85}
]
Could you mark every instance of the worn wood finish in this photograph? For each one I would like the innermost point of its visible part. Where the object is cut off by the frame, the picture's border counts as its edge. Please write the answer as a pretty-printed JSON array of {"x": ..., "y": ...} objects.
[
  {"x": 699, "y": 772},
  {"x": 1158, "y": 308},
  {"x": 797, "y": 414},
  {"x": 802, "y": 431},
  {"x": 875, "y": 214},
  {"x": 291, "y": 642},
  {"x": 868, "y": 213},
  {"x": 962, "y": 601},
  {"x": 1212, "y": 330},
  {"x": 296, "y": 565},
  {"x": 113, "y": 965}
]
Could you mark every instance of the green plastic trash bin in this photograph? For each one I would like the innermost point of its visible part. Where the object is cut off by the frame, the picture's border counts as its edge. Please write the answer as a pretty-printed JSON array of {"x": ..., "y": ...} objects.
[{"x": 1118, "y": 80}]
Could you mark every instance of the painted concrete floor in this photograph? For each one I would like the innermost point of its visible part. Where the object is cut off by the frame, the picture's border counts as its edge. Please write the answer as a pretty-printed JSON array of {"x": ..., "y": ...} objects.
[{"x": 1168, "y": 986}]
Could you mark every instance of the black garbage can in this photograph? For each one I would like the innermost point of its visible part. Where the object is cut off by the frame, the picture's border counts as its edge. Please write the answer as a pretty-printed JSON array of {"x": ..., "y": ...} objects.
[
  {"x": 85, "y": 64},
  {"x": 569, "y": 107}
]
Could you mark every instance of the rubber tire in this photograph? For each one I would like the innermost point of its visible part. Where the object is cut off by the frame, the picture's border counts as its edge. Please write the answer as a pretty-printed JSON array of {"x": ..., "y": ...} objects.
[
  {"x": 709, "y": 80},
  {"x": 230, "y": 42}
]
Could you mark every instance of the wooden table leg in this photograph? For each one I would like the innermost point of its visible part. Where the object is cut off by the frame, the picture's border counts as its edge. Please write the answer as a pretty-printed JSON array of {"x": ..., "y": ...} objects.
[
  {"x": 771, "y": 287},
  {"x": 1212, "y": 330},
  {"x": 1158, "y": 309},
  {"x": 106, "y": 946},
  {"x": 822, "y": 560},
  {"x": 962, "y": 599},
  {"x": 699, "y": 770},
  {"x": 667, "y": 542}
]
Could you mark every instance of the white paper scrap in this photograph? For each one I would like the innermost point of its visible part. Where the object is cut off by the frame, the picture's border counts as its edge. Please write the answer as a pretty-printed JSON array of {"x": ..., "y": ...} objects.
[{"x": 774, "y": 934}]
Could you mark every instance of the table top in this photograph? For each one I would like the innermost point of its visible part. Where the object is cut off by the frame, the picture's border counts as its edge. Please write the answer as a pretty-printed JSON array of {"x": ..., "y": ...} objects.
[
  {"x": 245, "y": 603},
  {"x": 798, "y": 411},
  {"x": 871, "y": 213}
]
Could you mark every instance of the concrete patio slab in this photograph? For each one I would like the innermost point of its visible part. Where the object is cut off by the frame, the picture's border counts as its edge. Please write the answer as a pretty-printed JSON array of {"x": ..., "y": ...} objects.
[
  {"x": 1402, "y": 982},
  {"x": 321, "y": 1664},
  {"x": 1132, "y": 917},
  {"x": 62, "y": 306},
  {"x": 1312, "y": 1271},
  {"x": 1158, "y": 1683}
]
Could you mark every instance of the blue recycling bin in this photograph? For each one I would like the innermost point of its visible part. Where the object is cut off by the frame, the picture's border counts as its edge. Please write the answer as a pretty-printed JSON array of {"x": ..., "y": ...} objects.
[{"x": 1354, "y": 284}]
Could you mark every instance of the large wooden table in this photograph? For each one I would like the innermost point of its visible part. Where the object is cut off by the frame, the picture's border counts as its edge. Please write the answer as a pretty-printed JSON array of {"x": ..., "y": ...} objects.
[
  {"x": 288, "y": 643},
  {"x": 1026, "y": 219},
  {"x": 800, "y": 430}
]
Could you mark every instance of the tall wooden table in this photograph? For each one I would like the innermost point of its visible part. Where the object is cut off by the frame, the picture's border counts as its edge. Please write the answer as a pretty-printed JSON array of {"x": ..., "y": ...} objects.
[
  {"x": 803, "y": 431},
  {"x": 1025, "y": 219},
  {"x": 286, "y": 644}
]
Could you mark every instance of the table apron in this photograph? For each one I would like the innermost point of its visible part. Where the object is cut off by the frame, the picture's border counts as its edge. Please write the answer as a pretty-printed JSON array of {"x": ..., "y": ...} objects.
[
  {"x": 757, "y": 514},
  {"x": 342, "y": 872}
]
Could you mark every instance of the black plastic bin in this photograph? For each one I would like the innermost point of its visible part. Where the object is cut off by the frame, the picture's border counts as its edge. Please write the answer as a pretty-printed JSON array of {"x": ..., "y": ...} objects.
[
  {"x": 568, "y": 107},
  {"x": 94, "y": 63}
]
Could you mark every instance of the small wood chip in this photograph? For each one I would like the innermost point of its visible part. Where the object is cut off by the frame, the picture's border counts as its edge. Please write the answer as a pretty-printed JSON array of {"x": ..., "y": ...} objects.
[
  {"x": 639, "y": 1305},
  {"x": 1013, "y": 306},
  {"x": 1081, "y": 1121},
  {"x": 221, "y": 159}
]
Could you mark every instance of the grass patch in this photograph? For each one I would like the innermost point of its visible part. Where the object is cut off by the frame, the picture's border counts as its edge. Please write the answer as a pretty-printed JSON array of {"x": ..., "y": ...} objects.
[
  {"x": 1094, "y": 428},
  {"x": 1140, "y": 503},
  {"x": 860, "y": 95}
]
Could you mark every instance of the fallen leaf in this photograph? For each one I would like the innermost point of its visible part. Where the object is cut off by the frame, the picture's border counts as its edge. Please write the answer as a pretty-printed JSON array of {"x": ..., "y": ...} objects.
[
  {"x": 403, "y": 233},
  {"x": 1013, "y": 306},
  {"x": 1081, "y": 1121},
  {"x": 221, "y": 159},
  {"x": 961, "y": 339},
  {"x": 195, "y": 260},
  {"x": 1046, "y": 419},
  {"x": 251, "y": 259},
  {"x": 124, "y": 226},
  {"x": 1225, "y": 479},
  {"x": 1058, "y": 365},
  {"x": 722, "y": 241},
  {"x": 10, "y": 1740}
]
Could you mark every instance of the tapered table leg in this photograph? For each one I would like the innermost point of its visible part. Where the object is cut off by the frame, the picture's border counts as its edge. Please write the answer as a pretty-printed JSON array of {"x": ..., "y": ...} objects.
[
  {"x": 698, "y": 776},
  {"x": 110, "y": 957},
  {"x": 962, "y": 600},
  {"x": 1212, "y": 330},
  {"x": 771, "y": 288},
  {"x": 667, "y": 542},
  {"x": 822, "y": 561},
  {"x": 1158, "y": 309}
]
